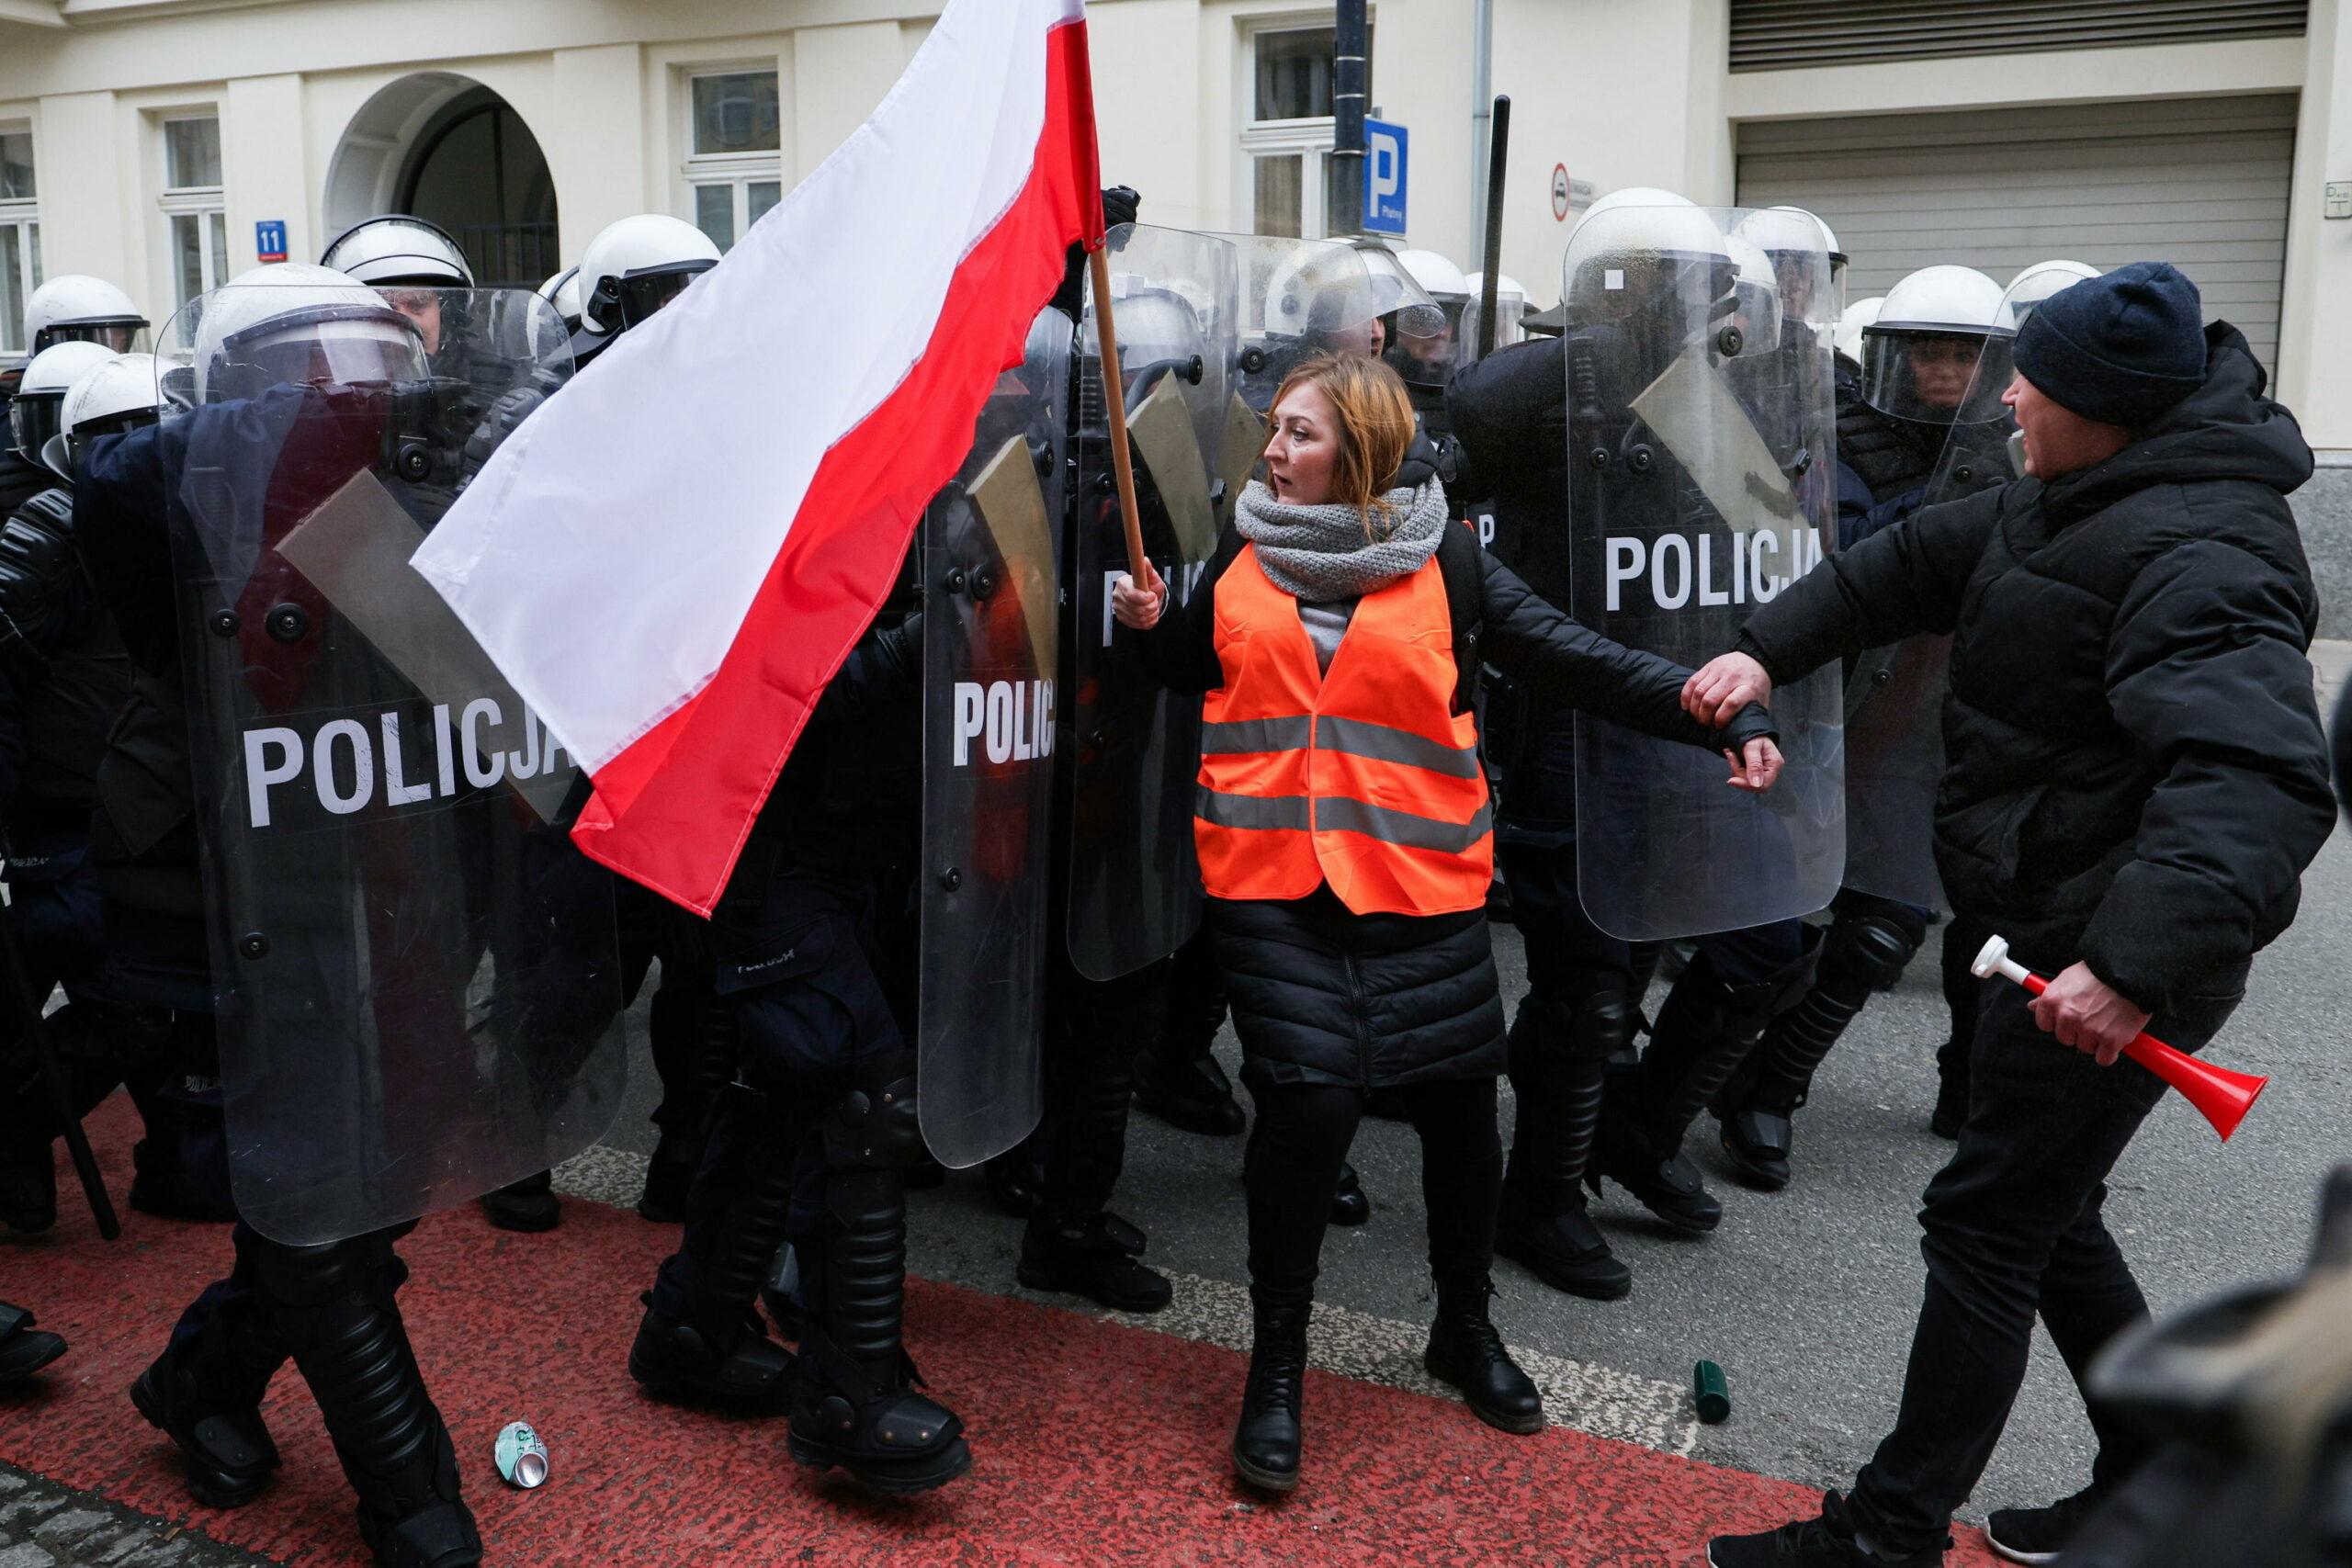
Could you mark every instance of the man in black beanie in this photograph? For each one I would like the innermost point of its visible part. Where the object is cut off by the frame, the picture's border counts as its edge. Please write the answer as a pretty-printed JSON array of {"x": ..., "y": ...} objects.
[{"x": 2136, "y": 777}]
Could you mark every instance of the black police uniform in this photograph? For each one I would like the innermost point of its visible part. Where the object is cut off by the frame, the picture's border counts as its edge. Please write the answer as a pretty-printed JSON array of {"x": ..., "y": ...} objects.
[{"x": 1572, "y": 1040}]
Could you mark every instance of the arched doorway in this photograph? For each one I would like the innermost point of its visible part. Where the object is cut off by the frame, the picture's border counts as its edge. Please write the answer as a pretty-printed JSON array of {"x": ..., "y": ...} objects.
[{"x": 447, "y": 147}]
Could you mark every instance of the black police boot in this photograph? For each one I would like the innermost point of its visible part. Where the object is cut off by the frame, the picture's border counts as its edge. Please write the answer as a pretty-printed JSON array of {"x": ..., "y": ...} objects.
[
  {"x": 1558, "y": 1064},
  {"x": 1867, "y": 946},
  {"x": 1825, "y": 1541},
  {"x": 1087, "y": 1256},
  {"x": 1187, "y": 1089},
  {"x": 1266, "y": 1441},
  {"x": 853, "y": 1403},
  {"x": 719, "y": 1352},
  {"x": 1705, "y": 1030},
  {"x": 1466, "y": 1352},
  {"x": 1350, "y": 1206},
  {"x": 333, "y": 1308},
  {"x": 205, "y": 1394},
  {"x": 1013, "y": 1179},
  {"x": 24, "y": 1349},
  {"x": 528, "y": 1205}
]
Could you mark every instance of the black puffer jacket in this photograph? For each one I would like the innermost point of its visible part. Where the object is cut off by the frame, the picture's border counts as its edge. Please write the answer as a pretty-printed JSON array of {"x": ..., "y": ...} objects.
[
  {"x": 2136, "y": 772},
  {"x": 1321, "y": 994}
]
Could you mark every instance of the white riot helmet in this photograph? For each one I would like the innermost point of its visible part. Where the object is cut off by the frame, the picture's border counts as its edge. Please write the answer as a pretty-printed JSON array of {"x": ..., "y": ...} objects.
[
  {"x": 1635, "y": 247},
  {"x": 1511, "y": 310},
  {"x": 1858, "y": 315},
  {"x": 35, "y": 411},
  {"x": 638, "y": 264},
  {"x": 78, "y": 309},
  {"x": 562, "y": 291},
  {"x": 1398, "y": 293},
  {"x": 289, "y": 323},
  {"x": 394, "y": 249},
  {"x": 1429, "y": 358},
  {"x": 1921, "y": 354},
  {"x": 2031, "y": 287},
  {"x": 1759, "y": 285},
  {"x": 1803, "y": 252},
  {"x": 118, "y": 395}
]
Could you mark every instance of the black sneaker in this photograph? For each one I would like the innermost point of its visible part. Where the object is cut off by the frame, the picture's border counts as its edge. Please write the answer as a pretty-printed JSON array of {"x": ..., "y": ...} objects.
[
  {"x": 2040, "y": 1535},
  {"x": 1824, "y": 1542}
]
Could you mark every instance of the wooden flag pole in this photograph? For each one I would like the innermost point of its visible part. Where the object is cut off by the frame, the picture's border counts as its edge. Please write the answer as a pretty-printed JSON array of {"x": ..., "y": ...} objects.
[{"x": 1114, "y": 405}]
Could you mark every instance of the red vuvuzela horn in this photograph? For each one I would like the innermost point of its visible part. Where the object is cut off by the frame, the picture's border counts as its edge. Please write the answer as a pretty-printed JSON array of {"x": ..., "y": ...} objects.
[{"x": 2222, "y": 1096}]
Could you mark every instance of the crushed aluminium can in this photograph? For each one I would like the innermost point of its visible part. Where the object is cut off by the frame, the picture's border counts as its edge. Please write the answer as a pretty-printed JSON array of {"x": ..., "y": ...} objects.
[{"x": 522, "y": 1458}]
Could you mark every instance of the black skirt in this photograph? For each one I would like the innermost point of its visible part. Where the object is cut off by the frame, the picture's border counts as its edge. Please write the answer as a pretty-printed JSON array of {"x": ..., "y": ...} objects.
[{"x": 1320, "y": 995}]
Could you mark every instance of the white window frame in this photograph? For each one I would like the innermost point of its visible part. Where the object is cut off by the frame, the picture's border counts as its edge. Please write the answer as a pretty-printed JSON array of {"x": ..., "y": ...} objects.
[
  {"x": 191, "y": 202},
  {"x": 737, "y": 170},
  {"x": 1312, "y": 141},
  {"x": 22, "y": 214}
]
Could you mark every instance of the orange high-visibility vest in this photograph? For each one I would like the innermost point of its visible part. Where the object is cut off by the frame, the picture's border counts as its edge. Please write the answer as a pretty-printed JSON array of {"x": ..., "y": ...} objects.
[{"x": 1362, "y": 775}]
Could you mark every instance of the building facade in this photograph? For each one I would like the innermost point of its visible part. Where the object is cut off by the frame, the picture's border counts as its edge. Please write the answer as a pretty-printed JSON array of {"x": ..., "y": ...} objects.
[{"x": 165, "y": 143}]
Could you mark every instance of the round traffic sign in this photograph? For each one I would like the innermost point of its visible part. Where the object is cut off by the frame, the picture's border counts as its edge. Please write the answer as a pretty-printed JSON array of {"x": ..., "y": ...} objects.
[{"x": 1560, "y": 192}]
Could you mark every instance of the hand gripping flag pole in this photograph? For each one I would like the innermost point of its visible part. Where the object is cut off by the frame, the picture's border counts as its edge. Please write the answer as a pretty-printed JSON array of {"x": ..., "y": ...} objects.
[
  {"x": 1114, "y": 402},
  {"x": 2222, "y": 1096}
]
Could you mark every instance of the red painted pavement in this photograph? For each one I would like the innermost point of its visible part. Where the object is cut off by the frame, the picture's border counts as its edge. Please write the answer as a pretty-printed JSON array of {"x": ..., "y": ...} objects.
[{"x": 1094, "y": 1442}]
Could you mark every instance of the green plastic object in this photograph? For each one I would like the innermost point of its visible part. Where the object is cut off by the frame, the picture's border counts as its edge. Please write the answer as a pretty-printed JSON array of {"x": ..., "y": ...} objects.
[{"x": 1711, "y": 1392}]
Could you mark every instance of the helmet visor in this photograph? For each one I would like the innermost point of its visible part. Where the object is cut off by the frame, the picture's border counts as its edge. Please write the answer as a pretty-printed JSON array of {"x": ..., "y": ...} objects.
[
  {"x": 644, "y": 293},
  {"x": 32, "y": 420},
  {"x": 1924, "y": 376},
  {"x": 117, "y": 337},
  {"x": 351, "y": 353}
]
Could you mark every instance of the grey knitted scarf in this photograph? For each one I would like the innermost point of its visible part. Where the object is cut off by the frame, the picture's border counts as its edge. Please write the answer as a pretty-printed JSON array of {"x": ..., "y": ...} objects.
[{"x": 1319, "y": 554}]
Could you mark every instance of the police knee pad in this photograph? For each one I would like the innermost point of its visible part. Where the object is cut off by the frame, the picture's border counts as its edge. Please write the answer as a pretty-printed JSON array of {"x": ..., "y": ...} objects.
[
  {"x": 1873, "y": 945},
  {"x": 872, "y": 1124}
]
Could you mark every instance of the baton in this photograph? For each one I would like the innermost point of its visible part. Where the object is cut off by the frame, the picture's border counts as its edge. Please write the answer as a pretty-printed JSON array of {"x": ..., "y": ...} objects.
[
  {"x": 52, "y": 1073},
  {"x": 2222, "y": 1096}
]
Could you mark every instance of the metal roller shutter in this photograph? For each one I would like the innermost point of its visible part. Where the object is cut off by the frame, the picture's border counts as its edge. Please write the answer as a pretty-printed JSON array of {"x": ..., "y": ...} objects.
[
  {"x": 2201, "y": 183},
  {"x": 1775, "y": 35}
]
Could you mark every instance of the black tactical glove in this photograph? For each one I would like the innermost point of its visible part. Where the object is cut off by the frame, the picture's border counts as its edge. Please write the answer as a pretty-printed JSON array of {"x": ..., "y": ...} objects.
[{"x": 1120, "y": 205}]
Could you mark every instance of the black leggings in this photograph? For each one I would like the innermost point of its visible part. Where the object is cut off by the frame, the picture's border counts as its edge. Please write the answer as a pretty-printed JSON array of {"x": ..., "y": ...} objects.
[{"x": 1298, "y": 1142}]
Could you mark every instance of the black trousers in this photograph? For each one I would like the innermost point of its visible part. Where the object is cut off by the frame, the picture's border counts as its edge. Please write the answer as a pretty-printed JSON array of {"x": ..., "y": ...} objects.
[
  {"x": 2014, "y": 1226},
  {"x": 1301, "y": 1137}
]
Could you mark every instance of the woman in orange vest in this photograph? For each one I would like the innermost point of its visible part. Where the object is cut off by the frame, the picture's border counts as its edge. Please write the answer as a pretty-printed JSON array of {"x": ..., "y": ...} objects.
[{"x": 1346, "y": 845}]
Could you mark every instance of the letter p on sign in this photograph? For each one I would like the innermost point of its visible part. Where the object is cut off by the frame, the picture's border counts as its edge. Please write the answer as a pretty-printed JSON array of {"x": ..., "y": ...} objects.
[{"x": 1386, "y": 150}]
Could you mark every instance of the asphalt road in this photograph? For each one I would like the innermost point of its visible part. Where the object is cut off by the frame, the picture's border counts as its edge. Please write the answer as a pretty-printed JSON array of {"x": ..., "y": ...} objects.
[{"x": 1807, "y": 1298}]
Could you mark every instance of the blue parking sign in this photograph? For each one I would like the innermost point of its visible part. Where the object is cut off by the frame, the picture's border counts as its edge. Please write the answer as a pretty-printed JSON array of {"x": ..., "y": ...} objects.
[{"x": 1384, "y": 177}]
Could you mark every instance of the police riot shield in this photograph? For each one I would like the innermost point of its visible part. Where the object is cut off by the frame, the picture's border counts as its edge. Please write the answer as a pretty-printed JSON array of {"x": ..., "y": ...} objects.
[
  {"x": 415, "y": 973},
  {"x": 1134, "y": 888},
  {"x": 990, "y": 624},
  {"x": 1699, "y": 486},
  {"x": 1894, "y": 748}
]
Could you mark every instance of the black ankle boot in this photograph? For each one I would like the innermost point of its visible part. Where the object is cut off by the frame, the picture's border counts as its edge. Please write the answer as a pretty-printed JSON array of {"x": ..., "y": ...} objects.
[
  {"x": 1667, "y": 1185},
  {"x": 1466, "y": 1352},
  {"x": 1559, "y": 1244},
  {"x": 1350, "y": 1206},
  {"x": 528, "y": 1205},
  {"x": 1266, "y": 1441},
  {"x": 1088, "y": 1258},
  {"x": 1188, "y": 1092},
  {"x": 205, "y": 1394}
]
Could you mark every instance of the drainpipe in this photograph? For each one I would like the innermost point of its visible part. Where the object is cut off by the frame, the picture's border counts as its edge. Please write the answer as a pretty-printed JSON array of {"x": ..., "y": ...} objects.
[
  {"x": 1482, "y": 112},
  {"x": 1351, "y": 91}
]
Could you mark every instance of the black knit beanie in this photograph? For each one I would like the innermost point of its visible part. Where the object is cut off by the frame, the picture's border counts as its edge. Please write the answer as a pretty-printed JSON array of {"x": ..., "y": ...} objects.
[{"x": 2121, "y": 348}]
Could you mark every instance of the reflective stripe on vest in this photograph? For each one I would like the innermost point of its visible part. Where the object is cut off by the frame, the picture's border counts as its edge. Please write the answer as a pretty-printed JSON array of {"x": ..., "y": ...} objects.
[{"x": 1362, "y": 775}]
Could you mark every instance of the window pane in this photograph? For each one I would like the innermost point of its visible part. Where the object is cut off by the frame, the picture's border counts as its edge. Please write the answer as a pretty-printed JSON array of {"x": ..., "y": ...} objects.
[
  {"x": 191, "y": 152},
  {"x": 736, "y": 113},
  {"x": 1279, "y": 189},
  {"x": 188, "y": 261},
  {"x": 764, "y": 194},
  {"x": 1295, "y": 75},
  {"x": 32, "y": 232},
  {"x": 16, "y": 165},
  {"x": 12, "y": 286},
  {"x": 219, "y": 236},
  {"x": 715, "y": 214}
]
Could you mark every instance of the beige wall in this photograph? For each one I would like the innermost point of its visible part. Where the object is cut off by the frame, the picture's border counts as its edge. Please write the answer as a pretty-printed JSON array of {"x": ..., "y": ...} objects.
[{"x": 1622, "y": 92}]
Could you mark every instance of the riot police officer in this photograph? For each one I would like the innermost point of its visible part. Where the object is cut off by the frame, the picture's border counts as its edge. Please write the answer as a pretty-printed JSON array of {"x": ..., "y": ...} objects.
[
  {"x": 328, "y": 1306},
  {"x": 1894, "y": 421},
  {"x": 63, "y": 678},
  {"x": 72, "y": 309},
  {"x": 1667, "y": 279},
  {"x": 633, "y": 268}
]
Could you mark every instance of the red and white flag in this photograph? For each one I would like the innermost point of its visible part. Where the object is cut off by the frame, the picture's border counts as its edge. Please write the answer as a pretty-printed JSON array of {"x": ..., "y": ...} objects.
[{"x": 672, "y": 557}]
